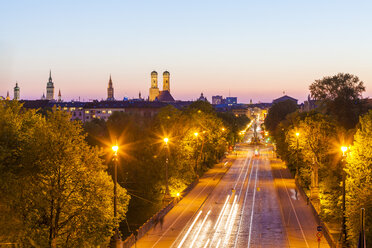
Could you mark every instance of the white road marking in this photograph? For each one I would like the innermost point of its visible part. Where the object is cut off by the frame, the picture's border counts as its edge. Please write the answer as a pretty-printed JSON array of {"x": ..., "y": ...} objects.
[
  {"x": 188, "y": 231},
  {"x": 298, "y": 221}
]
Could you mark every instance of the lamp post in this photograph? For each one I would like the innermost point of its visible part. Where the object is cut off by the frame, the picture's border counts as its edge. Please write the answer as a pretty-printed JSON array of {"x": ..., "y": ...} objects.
[
  {"x": 115, "y": 149},
  {"x": 167, "y": 194},
  {"x": 344, "y": 150},
  {"x": 297, "y": 135},
  {"x": 201, "y": 152}
]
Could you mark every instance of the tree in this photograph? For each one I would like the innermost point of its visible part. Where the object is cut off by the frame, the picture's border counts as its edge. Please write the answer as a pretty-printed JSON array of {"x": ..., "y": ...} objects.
[
  {"x": 53, "y": 183},
  {"x": 340, "y": 96},
  {"x": 359, "y": 180},
  {"x": 277, "y": 113}
]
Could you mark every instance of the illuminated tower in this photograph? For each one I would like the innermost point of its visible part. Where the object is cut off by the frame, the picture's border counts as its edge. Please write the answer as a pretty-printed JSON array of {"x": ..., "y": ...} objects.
[
  {"x": 50, "y": 88},
  {"x": 110, "y": 91},
  {"x": 154, "y": 90},
  {"x": 16, "y": 92},
  {"x": 59, "y": 96},
  {"x": 166, "y": 78}
]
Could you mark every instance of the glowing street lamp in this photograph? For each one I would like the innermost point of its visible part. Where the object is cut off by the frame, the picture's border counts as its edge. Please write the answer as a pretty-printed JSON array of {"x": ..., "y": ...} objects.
[
  {"x": 344, "y": 149},
  {"x": 297, "y": 135},
  {"x": 115, "y": 149},
  {"x": 196, "y": 134},
  {"x": 167, "y": 194},
  {"x": 223, "y": 129}
]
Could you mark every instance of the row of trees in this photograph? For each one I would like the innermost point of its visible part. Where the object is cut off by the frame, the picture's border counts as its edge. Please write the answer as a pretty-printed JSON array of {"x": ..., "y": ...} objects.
[
  {"x": 310, "y": 142},
  {"x": 54, "y": 188},
  {"x": 198, "y": 138}
]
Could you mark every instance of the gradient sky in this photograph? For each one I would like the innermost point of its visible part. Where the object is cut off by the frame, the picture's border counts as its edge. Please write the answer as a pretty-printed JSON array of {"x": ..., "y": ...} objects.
[{"x": 252, "y": 49}]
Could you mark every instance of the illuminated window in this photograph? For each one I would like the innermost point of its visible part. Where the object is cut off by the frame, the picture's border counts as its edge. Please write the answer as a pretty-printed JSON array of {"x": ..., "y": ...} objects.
[
  {"x": 110, "y": 112},
  {"x": 87, "y": 111},
  {"x": 103, "y": 111},
  {"x": 65, "y": 108},
  {"x": 72, "y": 109}
]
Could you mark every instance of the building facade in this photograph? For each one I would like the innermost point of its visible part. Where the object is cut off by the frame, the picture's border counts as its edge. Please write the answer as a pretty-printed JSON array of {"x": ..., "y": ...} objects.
[
  {"x": 50, "y": 88},
  {"x": 110, "y": 91},
  {"x": 17, "y": 94}
]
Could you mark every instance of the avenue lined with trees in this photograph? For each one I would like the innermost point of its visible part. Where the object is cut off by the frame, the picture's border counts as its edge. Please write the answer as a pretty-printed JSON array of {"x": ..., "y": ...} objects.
[
  {"x": 310, "y": 143},
  {"x": 197, "y": 136},
  {"x": 56, "y": 187}
]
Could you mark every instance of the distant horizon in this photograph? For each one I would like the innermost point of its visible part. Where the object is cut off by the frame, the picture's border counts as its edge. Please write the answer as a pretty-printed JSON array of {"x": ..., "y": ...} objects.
[
  {"x": 254, "y": 50},
  {"x": 187, "y": 97}
]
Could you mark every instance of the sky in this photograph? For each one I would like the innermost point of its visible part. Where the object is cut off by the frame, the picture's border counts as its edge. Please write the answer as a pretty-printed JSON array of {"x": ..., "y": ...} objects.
[{"x": 249, "y": 49}]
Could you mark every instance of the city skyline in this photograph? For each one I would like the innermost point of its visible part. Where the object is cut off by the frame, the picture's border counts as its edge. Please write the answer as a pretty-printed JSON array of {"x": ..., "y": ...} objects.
[{"x": 250, "y": 50}]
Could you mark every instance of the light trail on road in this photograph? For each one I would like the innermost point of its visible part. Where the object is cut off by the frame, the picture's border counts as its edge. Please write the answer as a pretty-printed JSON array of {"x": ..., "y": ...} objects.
[
  {"x": 189, "y": 230},
  {"x": 201, "y": 226},
  {"x": 253, "y": 202}
]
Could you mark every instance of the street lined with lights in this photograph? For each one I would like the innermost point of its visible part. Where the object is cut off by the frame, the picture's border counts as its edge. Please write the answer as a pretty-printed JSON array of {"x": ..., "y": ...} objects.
[{"x": 242, "y": 209}]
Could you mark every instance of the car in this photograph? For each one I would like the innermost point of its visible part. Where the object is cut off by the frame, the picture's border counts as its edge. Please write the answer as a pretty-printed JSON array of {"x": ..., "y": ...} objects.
[{"x": 256, "y": 153}]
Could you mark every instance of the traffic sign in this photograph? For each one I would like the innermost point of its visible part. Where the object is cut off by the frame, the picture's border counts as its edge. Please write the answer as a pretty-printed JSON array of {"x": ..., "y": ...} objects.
[
  {"x": 319, "y": 235},
  {"x": 319, "y": 228}
]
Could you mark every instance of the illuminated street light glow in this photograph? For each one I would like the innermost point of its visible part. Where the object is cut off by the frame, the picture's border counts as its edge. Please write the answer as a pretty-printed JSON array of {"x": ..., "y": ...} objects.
[
  {"x": 344, "y": 149},
  {"x": 166, "y": 140},
  {"x": 297, "y": 134},
  {"x": 115, "y": 148},
  {"x": 178, "y": 194},
  {"x": 196, "y": 134}
]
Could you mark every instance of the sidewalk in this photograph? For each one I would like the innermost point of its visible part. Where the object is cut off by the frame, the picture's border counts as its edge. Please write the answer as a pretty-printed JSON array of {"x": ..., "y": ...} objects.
[{"x": 182, "y": 213}]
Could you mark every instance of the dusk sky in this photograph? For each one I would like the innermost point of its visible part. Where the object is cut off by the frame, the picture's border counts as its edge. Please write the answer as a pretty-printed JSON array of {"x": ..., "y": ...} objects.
[{"x": 252, "y": 49}]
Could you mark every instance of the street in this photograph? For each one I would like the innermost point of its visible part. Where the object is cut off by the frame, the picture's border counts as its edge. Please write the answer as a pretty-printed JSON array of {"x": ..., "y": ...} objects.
[{"x": 254, "y": 203}]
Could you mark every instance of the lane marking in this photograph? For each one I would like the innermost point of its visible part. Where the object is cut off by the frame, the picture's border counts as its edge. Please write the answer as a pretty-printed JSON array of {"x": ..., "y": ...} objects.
[
  {"x": 254, "y": 200},
  {"x": 245, "y": 165},
  {"x": 222, "y": 210},
  {"x": 201, "y": 226},
  {"x": 298, "y": 221},
  {"x": 188, "y": 231},
  {"x": 188, "y": 206},
  {"x": 243, "y": 208}
]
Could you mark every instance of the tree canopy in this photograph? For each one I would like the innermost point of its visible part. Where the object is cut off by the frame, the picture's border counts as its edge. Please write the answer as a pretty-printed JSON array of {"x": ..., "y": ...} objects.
[
  {"x": 359, "y": 180},
  {"x": 53, "y": 186},
  {"x": 278, "y": 113},
  {"x": 340, "y": 95}
]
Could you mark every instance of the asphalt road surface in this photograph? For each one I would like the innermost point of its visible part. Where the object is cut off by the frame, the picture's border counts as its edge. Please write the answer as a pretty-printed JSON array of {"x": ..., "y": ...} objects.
[{"x": 245, "y": 201}]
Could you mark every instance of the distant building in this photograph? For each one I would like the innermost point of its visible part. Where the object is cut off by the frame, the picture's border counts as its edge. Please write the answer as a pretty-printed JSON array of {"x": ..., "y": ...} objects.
[
  {"x": 16, "y": 92},
  {"x": 308, "y": 105},
  {"x": 155, "y": 94},
  {"x": 231, "y": 100},
  {"x": 202, "y": 98},
  {"x": 285, "y": 98},
  {"x": 50, "y": 88},
  {"x": 7, "y": 96},
  {"x": 217, "y": 100},
  {"x": 59, "y": 96},
  {"x": 110, "y": 91},
  {"x": 154, "y": 90}
]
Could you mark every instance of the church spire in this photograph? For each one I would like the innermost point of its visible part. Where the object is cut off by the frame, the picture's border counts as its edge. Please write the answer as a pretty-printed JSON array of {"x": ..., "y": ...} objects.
[
  {"x": 110, "y": 91},
  {"x": 50, "y": 75},
  {"x": 59, "y": 96}
]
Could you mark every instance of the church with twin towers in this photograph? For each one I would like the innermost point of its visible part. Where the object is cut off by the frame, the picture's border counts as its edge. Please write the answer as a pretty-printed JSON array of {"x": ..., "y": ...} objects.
[{"x": 154, "y": 93}]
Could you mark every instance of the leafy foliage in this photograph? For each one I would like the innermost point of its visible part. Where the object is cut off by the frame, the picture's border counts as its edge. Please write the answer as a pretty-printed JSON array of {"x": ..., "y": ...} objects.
[
  {"x": 340, "y": 96},
  {"x": 142, "y": 169},
  {"x": 278, "y": 113},
  {"x": 53, "y": 184},
  {"x": 359, "y": 180}
]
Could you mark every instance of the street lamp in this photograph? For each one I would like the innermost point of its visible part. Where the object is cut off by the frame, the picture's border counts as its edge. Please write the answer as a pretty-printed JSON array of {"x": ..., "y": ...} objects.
[
  {"x": 344, "y": 150},
  {"x": 167, "y": 194},
  {"x": 115, "y": 149},
  {"x": 297, "y": 135}
]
